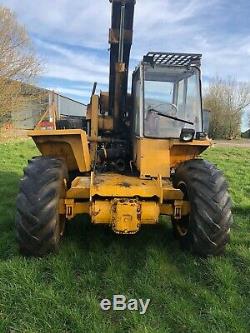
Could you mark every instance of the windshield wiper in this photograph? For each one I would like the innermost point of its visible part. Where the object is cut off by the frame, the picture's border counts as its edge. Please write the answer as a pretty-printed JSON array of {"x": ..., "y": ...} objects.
[{"x": 171, "y": 117}]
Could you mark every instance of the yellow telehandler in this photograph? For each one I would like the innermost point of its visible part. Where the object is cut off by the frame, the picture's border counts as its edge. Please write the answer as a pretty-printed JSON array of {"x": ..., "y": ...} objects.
[{"x": 133, "y": 159}]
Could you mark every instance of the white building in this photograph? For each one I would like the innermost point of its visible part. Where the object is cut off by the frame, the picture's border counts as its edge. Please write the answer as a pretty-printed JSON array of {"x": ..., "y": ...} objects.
[{"x": 35, "y": 109}]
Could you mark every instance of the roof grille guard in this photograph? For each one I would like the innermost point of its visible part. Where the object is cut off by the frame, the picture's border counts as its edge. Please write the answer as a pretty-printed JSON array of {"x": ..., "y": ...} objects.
[{"x": 173, "y": 59}]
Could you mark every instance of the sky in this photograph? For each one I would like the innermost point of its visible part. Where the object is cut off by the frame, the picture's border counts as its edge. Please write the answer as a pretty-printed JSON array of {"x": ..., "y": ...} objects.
[{"x": 71, "y": 38}]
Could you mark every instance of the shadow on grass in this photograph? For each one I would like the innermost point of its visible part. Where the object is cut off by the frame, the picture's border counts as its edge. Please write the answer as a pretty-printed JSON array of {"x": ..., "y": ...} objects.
[
  {"x": 132, "y": 249},
  {"x": 243, "y": 211},
  {"x": 9, "y": 183},
  {"x": 87, "y": 235},
  {"x": 80, "y": 232}
]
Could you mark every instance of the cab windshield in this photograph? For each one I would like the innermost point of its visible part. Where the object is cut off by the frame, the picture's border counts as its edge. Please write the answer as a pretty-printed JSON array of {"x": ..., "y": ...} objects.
[{"x": 172, "y": 101}]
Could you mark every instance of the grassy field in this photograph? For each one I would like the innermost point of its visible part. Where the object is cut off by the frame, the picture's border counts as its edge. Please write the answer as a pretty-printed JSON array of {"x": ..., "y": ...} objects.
[{"x": 62, "y": 293}]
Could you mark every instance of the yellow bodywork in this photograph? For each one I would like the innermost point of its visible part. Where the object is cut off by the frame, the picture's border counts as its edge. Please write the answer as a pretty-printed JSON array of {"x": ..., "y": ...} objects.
[
  {"x": 71, "y": 145},
  {"x": 124, "y": 202},
  {"x": 116, "y": 185},
  {"x": 125, "y": 214},
  {"x": 155, "y": 157}
]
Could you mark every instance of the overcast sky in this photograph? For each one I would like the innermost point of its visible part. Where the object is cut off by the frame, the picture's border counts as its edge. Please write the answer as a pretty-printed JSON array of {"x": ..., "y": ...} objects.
[{"x": 71, "y": 37}]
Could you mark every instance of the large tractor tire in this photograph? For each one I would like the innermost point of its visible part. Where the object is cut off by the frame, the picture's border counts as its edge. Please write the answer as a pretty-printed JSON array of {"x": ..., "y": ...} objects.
[
  {"x": 39, "y": 226},
  {"x": 205, "y": 231}
]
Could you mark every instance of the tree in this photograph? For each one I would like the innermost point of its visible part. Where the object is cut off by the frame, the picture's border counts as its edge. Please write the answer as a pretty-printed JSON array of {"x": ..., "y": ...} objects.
[
  {"x": 227, "y": 100},
  {"x": 18, "y": 63}
]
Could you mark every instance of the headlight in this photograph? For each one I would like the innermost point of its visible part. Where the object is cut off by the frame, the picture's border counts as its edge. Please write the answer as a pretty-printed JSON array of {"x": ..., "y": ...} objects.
[{"x": 187, "y": 134}]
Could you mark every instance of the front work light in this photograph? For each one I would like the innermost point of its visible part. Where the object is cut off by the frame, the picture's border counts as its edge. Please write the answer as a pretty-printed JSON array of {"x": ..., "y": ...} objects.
[{"x": 187, "y": 134}]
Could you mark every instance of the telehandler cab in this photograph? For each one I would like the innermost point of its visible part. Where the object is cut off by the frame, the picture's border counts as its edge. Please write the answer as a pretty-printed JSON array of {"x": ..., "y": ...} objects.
[{"x": 136, "y": 157}]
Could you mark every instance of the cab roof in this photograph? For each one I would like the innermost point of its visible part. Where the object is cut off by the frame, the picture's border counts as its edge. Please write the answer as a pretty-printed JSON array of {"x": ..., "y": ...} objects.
[{"x": 173, "y": 59}]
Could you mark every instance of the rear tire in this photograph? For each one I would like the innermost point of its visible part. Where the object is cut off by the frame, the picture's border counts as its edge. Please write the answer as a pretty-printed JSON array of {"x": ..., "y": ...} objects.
[
  {"x": 206, "y": 230},
  {"x": 39, "y": 226}
]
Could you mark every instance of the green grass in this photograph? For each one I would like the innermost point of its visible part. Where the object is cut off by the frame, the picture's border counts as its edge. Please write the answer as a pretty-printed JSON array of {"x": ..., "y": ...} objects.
[{"x": 61, "y": 293}]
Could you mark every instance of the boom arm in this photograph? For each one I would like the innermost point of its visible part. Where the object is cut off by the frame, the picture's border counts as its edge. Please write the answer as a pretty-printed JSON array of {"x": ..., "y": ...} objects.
[{"x": 120, "y": 39}]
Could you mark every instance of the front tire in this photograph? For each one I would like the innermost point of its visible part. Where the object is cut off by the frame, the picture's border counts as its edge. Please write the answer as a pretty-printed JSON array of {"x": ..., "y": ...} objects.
[
  {"x": 206, "y": 230},
  {"x": 39, "y": 226}
]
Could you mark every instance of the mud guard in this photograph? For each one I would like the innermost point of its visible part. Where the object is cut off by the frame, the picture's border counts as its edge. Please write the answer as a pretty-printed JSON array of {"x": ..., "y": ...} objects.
[{"x": 71, "y": 145}]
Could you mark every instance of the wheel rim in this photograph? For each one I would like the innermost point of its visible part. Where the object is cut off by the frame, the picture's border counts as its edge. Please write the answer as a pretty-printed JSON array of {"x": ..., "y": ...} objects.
[
  {"x": 61, "y": 220},
  {"x": 182, "y": 225},
  {"x": 182, "y": 230}
]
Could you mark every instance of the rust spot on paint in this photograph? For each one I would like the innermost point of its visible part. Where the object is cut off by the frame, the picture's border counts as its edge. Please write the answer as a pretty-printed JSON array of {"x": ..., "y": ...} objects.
[{"x": 124, "y": 184}]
